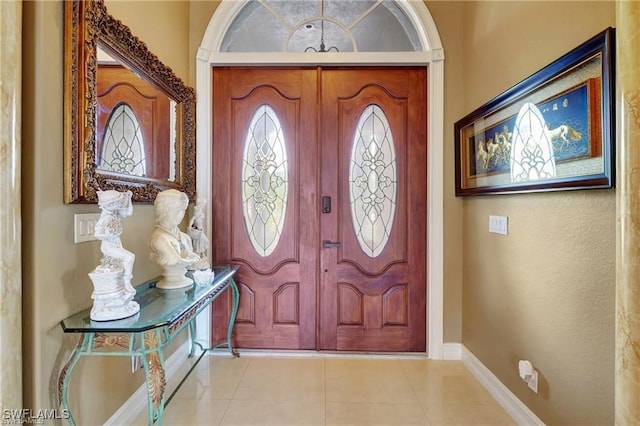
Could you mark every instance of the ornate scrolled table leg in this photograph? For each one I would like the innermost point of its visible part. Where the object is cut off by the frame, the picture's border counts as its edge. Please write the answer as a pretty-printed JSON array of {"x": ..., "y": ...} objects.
[
  {"x": 154, "y": 372},
  {"x": 65, "y": 375}
]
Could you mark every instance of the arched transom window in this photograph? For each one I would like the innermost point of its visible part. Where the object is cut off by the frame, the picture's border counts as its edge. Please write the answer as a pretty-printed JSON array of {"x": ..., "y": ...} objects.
[{"x": 322, "y": 25}]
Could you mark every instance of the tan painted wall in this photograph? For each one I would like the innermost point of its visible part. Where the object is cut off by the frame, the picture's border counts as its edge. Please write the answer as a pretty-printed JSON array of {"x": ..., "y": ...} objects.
[
  {"x": 561, "y": 318},
  {"x": 163, "y": 27},
  {"x": 545, "y": 292},
  {"x": 55, "y": 278}
]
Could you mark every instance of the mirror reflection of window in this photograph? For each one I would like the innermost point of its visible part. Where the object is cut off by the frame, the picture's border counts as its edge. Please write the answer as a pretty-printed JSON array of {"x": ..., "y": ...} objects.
[
  {"x": 150, "y": 151},
  {"x": 123, "y": 144},
  {"x": 532, "y": 155}
]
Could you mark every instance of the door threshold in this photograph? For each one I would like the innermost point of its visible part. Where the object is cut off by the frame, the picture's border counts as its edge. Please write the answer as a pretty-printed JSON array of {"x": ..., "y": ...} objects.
[{"x": 299, "y": 353}]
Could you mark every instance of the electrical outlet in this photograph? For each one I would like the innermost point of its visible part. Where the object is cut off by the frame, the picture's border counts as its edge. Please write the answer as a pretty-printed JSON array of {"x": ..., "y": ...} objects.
[
  {"x": 84, "y": 226},
  {"x": 533, "y": 381},
  {"x": 498, "y": 224}
]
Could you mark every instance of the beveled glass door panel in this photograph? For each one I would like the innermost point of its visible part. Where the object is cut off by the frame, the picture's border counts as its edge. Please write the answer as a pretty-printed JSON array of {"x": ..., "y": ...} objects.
[
  {"x": 264, "y": 205},
  {"x": 372, "y": 180},
  {"x": 264, "y": 180}
]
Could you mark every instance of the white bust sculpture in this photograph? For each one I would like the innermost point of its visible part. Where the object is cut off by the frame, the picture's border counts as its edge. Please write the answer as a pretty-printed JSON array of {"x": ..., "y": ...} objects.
[
  {"x": 113, "y": 294},
  {"x": 198, "y": 236},
  {"x": 170, "y": 247}
]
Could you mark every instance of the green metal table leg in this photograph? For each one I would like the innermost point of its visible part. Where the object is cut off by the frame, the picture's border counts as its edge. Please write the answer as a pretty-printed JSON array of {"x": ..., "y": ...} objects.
[
  {"x": 65, "y": 375},
  {"x": 232, "y": 319},
  {"x": 192, "y": 335}
]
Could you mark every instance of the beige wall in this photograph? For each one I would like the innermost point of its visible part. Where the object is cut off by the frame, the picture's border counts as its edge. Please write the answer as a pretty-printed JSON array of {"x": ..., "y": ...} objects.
[
  {"x": 55, "y": 280},
  {"x": 545, "y": 292},
  {"x": 163, "y": 26}
]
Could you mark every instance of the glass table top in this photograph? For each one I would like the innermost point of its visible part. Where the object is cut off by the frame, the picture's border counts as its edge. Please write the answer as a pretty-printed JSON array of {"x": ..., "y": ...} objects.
[{"x": 158, "y": 307}]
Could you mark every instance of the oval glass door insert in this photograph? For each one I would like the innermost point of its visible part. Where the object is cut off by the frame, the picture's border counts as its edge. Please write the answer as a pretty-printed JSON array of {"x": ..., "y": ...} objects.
[
  {"x": 373, "y": 181},
  {"x": 264, "y": 180}
]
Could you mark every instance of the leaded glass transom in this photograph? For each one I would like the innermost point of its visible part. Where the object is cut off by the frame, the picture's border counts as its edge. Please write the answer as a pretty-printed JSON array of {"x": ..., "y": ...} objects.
[
  {"x": 264, "y": 180},
  {"x": 373, "y": 180},
  {"x": 532, "y": 155},
  {"x": 123, "y": 144},
  {"x": 295, "y": 26}
]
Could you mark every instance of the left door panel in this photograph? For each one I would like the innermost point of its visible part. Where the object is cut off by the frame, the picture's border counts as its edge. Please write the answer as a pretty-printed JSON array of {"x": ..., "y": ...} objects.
[{"x": 265, "y": 213}]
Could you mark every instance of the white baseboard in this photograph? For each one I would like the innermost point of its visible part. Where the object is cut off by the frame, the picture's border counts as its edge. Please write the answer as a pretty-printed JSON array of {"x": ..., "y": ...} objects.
[
  {"x": 137, "y": 402},
  {"x": 512, "y": 405},
  {"x": 452, "y": 351}
]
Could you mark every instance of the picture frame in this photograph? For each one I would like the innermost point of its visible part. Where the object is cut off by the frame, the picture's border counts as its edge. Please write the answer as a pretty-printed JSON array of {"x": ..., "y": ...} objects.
[{"x": 553, "y": 131}]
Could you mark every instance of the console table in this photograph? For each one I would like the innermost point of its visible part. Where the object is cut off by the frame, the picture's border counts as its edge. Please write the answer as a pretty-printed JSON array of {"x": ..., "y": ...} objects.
[{"x": 163, "y": 315}]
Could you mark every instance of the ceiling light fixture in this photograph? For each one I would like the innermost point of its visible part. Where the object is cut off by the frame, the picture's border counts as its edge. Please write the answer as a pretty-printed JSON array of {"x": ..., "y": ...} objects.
[{"x": 322, "y": 45}]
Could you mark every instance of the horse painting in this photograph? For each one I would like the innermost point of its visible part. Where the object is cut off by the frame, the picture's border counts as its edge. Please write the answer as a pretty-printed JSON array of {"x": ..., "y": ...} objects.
[{"x": 564, "y": 133}]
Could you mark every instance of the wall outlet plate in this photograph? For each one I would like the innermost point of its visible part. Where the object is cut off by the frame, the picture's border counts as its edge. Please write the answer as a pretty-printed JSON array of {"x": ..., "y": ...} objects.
[
  {"x": 498, "y": 224},
  {"x": 84, "y": 226}
]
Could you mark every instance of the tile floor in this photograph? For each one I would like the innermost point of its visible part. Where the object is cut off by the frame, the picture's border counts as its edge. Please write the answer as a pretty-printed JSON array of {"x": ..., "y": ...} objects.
[{"x": 297, "y": 391}]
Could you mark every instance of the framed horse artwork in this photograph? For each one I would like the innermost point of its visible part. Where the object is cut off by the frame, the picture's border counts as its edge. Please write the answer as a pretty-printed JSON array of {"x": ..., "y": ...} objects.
[{"x": 552, "y": 131}]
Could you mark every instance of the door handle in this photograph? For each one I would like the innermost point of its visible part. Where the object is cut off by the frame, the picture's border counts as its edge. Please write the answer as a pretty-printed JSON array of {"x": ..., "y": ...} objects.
[{"x": 330, "y": 244}]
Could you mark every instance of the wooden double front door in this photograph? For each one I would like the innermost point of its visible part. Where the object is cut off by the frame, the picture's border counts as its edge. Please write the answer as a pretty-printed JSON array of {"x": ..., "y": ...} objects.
[{"x": 319, "y": 195}]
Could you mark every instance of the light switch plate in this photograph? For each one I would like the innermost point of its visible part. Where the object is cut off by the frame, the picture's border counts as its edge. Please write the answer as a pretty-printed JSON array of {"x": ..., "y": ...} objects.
[
  {"x": 84, "y": 226},
  {"x": 498, "y": 224}
]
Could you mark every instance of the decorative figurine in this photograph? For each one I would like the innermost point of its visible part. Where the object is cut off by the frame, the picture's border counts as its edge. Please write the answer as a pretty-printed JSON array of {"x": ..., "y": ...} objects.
[
  {"x": 198, "y": 236},
  {"x": 112, "y": 291},
  {"x": 170, "y": 247}
]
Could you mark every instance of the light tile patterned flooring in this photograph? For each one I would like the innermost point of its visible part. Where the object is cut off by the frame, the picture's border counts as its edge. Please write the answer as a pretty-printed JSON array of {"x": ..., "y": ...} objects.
[{"x": 358, "y": 391}]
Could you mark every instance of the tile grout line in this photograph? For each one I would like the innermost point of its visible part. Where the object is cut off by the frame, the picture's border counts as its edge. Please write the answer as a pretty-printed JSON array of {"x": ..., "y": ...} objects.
[
  {"x": 415, "y": 393},
  {"x": 235, "y": 392},
  {"x": 324, "y": 373}
]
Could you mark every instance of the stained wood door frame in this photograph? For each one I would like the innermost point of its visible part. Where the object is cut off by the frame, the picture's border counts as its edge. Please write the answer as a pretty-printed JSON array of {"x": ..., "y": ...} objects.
[{"x": 432, "y": 57}]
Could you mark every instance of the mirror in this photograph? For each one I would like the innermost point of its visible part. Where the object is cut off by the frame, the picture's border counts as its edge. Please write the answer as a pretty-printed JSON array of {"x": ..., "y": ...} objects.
[{"x": 129, "y": 120}]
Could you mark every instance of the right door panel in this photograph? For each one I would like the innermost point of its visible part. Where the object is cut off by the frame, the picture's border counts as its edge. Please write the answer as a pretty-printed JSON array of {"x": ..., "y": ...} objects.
[{"x": 373, "y": 166}]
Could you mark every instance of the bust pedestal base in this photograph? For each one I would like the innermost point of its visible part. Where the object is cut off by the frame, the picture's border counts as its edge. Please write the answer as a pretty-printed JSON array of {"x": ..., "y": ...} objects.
[{"x": 174, "y": 277}]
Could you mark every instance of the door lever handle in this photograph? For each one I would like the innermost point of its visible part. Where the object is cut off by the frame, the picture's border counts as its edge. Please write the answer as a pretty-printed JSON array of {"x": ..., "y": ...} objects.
[{"x": 330, "y": 244}]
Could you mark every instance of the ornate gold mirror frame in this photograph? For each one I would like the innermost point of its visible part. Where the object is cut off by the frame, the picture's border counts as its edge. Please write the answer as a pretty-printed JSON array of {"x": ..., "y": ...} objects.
[{"x": 87, "y": 25}]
